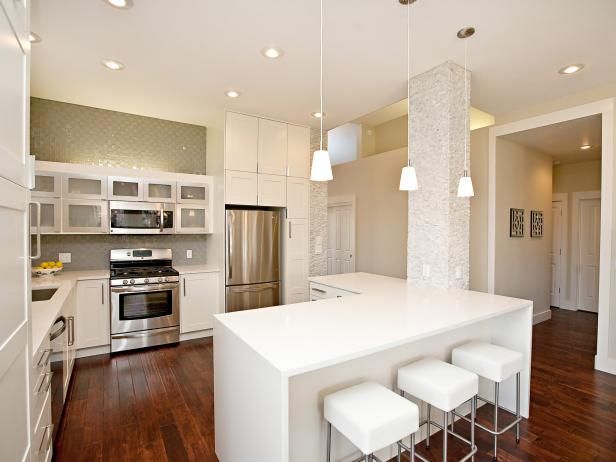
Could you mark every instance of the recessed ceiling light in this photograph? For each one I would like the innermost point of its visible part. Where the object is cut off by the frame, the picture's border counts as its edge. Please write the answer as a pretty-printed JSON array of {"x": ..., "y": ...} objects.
[
  {"x": 33, "y": 38},
  {"x": 585, "y": 147},
  {"x": 121, "y": 4},
  {"x": 113, "y": 65},
  {"x": 232, "y": 94},
  {"x": 571, "y": 69},
  {"x": 272, "y": 53},
  {"x": 318, "y": 115}
]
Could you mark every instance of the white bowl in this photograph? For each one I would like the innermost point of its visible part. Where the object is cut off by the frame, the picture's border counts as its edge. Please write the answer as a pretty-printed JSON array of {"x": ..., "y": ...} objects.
[{"x": 45, "y": 271}]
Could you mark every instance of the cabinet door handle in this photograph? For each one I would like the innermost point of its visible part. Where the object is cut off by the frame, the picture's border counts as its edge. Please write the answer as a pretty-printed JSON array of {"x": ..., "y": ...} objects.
[
  {"x": 184, "y": 283},
  {"x": 38, "y": 231},
  {"x": 44, "y": 363},
  {"x": 71, "y": 330},
  {"x": 319, "y": 290},
  {"x": 102, "y": 293},
  {"x": 45, "y": 383},
  {"x": 46, "y": 437}
]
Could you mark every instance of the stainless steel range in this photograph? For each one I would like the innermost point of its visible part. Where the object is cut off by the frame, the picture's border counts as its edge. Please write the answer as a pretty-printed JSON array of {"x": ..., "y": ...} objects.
[{"x": 145, "y": 309}]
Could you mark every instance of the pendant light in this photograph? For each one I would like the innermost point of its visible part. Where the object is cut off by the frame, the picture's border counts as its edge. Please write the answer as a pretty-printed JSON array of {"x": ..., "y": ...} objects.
[
  {"x": 465, "y": 186},
  {"x": 321, "y": 166},
  {"x": 408, "y": 177}
]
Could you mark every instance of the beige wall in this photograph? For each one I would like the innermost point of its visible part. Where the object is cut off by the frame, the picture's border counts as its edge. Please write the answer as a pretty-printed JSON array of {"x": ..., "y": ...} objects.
[
  {"x": 524, "y": 181},
  {"x": 479, "y": 211},
  {"x": 567, "y": 179},
  {"x": 381, "y": 211},
  {"x": 391, "y": 135}
]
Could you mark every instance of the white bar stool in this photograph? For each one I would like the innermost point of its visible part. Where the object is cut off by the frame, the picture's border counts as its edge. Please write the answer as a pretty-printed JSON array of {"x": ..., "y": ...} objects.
[
  {"x": 372, "y": 417},
  {"x": 497, "y": 364},
  {"x": 445, "y": 387}
]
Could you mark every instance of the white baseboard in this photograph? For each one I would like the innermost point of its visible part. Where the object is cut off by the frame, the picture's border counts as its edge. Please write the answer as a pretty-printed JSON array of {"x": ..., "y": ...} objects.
[
  {"x": 541, "y": 317},
  {"x": 566, "y": 306},
  {"x": 605, "y": 364},
  {"x": 196, "y": 334}
]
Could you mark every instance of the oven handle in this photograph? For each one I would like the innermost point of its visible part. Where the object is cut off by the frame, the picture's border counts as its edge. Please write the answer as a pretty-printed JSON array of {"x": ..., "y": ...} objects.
[
  {"x": 161, "y": 218},
  {"x": 147, "y": 333},
  {"x": 145, "y": 288}
]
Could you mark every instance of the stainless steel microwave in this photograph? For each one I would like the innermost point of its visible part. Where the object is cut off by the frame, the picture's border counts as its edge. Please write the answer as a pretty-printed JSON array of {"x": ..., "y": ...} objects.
[{"x": 141, "y": 218}]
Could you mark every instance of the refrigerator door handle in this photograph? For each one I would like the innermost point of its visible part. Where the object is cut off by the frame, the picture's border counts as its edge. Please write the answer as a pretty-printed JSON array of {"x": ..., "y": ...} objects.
[{"x": 229, "y": 245}]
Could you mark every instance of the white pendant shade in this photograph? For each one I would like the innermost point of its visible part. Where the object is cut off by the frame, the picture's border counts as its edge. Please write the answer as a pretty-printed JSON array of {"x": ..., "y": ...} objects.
[
  {"x": 465, "y": 187},
  {"x": 321, "y": 167},
  {"x": 408, "y": 179}
]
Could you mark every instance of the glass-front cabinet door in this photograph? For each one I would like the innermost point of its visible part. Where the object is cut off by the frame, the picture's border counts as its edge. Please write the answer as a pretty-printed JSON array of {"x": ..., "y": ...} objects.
[
  {"x": 159, "y": 191},
  {"x": 84, "y": 216},
  {"x": 84, "y": 186},
  {"x": 50, "y": 215},
  {"x": 47, "y": 184},
  {"x": 193, "y": 193},
  {"x": 192, "y": 219},
  {"x": 125, "y": 189}
]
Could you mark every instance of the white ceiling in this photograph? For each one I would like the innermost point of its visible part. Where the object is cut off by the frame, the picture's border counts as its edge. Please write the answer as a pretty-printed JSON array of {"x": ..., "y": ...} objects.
[
  {"x": 563, "y": 140},
  {"x": 182, "y": 55}
]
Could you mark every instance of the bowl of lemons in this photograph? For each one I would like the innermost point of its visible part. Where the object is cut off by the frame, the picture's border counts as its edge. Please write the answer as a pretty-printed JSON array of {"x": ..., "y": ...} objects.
[{"x": 47, "y": 268}]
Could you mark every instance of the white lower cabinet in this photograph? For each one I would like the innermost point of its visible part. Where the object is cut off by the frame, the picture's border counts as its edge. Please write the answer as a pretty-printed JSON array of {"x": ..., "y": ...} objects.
[
  {"x": 68, "y": 311},
  {"x": 42, "y": 437},
  {"x": 272, "y": 190},
  {"x": 92, "y": 316},
  {"x": 199, "y": 301},
  {"x": 240, "y": 188},
  {"x": 296, "y": 264}
]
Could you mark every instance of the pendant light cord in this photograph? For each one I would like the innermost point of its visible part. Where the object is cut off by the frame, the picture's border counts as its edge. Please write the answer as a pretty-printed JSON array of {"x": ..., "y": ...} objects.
[
  {"x": 321, "y": 82},
  {"x": 466, "y": 108},
  {"x": 408, "y": 80}
]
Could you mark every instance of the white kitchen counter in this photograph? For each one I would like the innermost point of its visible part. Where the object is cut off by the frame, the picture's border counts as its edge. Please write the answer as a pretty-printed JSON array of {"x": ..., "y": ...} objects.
[
  {"x": 290, "y": 356},
  {"x": 44, "y": 313},
  {"x": 194, "y": 269}
]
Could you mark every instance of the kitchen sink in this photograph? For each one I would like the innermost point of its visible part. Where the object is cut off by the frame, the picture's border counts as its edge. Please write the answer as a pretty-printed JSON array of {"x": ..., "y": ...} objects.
[{"x": 41, "y": 295}]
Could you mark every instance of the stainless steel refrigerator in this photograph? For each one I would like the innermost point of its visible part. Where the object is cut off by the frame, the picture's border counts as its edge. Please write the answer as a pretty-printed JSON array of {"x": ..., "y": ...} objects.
[{"x": 253, "y": 259}]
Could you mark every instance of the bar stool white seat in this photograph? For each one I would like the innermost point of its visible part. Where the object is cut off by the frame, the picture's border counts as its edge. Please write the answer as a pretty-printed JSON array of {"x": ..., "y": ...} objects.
[
  {"x": 497, "y": 364},
  {"x": 370, "y": 416},
  {"x": 444, "y": 386}
]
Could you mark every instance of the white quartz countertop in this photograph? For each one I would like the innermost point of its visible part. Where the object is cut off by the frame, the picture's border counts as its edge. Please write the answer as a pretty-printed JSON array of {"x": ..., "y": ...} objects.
[
  {"x": 387, "y": 312},
  {"x": 193, "y": 269},
  {"x": 44, "y": 313}
]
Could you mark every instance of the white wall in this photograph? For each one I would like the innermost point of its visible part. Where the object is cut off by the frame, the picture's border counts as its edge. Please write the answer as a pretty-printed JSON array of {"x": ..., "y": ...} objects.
[
  {"x": 523, "y": 265},
  {"x": 478, "y": 250},
  {"x": 344, "y": 143},
  {"x": 381, "y": 211}
]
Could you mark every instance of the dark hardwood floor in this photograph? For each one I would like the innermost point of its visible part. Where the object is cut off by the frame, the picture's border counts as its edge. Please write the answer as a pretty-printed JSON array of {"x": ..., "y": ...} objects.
[{"x": 157, "y": 404}]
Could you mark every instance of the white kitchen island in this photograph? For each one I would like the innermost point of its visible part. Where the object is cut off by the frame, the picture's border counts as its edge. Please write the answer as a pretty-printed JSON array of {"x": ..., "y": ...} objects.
[{"x": 273, "y": 366}]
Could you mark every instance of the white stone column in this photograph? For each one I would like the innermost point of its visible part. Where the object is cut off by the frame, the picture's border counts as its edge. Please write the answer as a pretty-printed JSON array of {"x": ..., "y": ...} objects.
[{"x": 438, "y": 221}]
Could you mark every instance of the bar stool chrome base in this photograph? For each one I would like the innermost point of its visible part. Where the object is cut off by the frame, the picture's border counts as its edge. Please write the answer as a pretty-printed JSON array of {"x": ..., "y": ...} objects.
[{"x": 372, "y": 457}]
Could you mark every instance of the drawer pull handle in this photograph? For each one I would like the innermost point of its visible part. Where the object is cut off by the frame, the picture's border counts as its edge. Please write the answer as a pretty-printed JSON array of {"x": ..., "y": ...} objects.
[
  {"x": 47, "y": 436},
  {"x": 45, "y": 383},
  {"x": 319, "y": 290},
  {"x": 47, "y": 355}
]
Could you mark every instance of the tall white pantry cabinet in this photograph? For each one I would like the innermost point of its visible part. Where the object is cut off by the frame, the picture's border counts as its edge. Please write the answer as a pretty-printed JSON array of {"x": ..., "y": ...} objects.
[
  {"x": 15, "y": 354},
  {"x": 267, "y": 164}
]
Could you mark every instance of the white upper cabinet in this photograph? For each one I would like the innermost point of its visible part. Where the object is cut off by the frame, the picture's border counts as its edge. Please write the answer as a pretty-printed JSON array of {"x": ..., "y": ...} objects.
[
  {"x": 241, "y": 142},
  {"x": 272, "y": 190},
  {"x": 50, "y": 215},
  {"x": 159, "y": 191},
  {"x": 125, "y": 189},
  {"x": 14, "y": 86},
  {"x": 298, "y": 198},
  {"x": 193, "y": 193},
  {"x": 78, "y": 186},
  {"x": 85, "y": 216},
  {"x": 192, "y": 219},
  {"x": 298, "y": 154},
  {"x": 240, "y": 188},
  {"x": 47, "y": 184},
  {"x": 272, "y": 147}
]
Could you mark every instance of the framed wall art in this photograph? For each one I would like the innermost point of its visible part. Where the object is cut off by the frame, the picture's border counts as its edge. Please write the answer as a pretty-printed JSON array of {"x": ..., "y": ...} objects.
[
  {"x": 536, "y": 223},
  {"x": 516, "y": 222}
]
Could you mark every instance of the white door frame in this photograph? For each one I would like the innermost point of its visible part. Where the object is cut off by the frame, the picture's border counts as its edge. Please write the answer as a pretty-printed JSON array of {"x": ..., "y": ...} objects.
[
  {"x": 576, "y": 198},
  {"x": 565, "y": 294},
  {"x": 606, "y": 108},
  {"x": 337, "y": 201}
]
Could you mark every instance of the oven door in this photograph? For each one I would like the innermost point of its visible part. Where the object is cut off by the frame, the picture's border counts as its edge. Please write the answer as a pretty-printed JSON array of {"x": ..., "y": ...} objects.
[
  {"x": 144, "y": 307},
  {"x": 140, "y": 218}
]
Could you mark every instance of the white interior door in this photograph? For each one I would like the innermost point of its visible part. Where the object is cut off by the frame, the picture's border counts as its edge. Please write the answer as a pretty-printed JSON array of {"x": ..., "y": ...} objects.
[
  {"x": 556, "y": 253},
  {"x": 341, "y": 239},
  {"x": 589, "y": 245}
]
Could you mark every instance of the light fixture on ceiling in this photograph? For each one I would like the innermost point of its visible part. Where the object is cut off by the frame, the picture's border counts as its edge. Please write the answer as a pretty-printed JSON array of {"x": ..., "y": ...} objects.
[
  {"x": 571, "y": 69},
  {"x": 34, "y": 38},
  {"x": 272, "y": 53},
  {"x": 408, "y": 176},
  {"x": 585, "y": 147},
  {"x": 113, "y": 65},
  {"x": 120, "y": 4},
  {"x": 318, "y": 115},
  {"x": 232, "y": 93},
  {"x": 321, "y": 165},
  {"x": 465, "y": 186}
]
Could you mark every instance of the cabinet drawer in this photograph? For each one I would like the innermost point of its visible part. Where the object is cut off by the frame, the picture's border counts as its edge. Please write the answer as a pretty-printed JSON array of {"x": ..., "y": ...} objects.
[
  {"x": 320, "y": 291},
  {"x": 42, "y": 438}
]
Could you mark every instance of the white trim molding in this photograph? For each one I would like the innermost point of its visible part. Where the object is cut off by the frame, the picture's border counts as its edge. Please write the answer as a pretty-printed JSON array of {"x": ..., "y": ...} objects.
[
  {"x": 337, "y": 201},
  {"x": 606, "y": 108},
  {"x": 542, "y": 317},
  {"x": 566, "y": 302}
]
